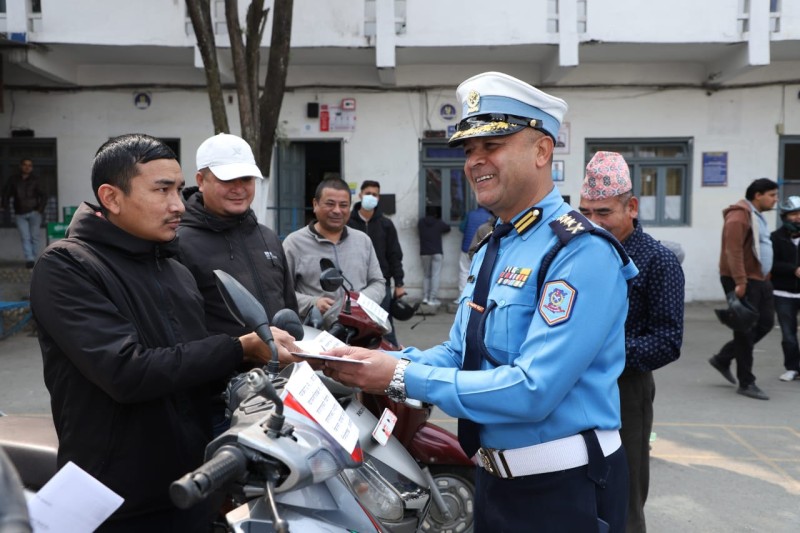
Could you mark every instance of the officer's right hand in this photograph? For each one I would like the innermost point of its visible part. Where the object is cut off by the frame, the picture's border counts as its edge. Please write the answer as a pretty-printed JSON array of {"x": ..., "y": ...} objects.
[{"x": 324, "y": 303}]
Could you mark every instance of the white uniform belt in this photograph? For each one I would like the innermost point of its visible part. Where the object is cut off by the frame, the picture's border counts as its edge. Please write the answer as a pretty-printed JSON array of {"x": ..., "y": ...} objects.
[{"x": 553, "y": 456}]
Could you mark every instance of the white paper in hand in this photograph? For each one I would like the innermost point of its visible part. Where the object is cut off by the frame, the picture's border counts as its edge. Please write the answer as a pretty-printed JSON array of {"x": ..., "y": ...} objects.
[
  {"x": 72, "y": 502},
  {"x": 321, "y": 343}
]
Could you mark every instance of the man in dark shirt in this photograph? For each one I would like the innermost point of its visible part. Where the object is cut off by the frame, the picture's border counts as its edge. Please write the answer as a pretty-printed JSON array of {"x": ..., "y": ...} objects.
[
  {"x": 654, "y": 327},
  {"x": 24, "y": 194},
  {"x": 368, "y": 217}
]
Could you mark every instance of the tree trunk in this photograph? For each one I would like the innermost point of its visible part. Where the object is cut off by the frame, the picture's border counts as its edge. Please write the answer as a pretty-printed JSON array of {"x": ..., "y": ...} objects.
[
  {"x": 200, "y": 15},
  {"x": 275, "y": 81},
  {"x": 247, "y": 119}
]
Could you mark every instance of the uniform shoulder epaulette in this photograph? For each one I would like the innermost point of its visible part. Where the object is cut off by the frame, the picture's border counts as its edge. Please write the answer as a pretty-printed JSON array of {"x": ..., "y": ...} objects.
[
  {"x": 567, "y": 227},
  {"x": 570, "y": 225}
]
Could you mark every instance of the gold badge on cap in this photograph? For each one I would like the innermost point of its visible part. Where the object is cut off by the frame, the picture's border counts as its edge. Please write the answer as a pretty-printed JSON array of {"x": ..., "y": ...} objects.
[{"x": 473, "y": 101}]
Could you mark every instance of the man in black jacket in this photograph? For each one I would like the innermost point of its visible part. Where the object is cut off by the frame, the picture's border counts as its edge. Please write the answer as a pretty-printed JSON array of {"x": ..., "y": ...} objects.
[
  {"x": 25, "y": 195},
  {"x": 127, "y": 358},
  {"x": 786, "y": 284},
  {"x": 219, "y": 230},
  {"x": 368, "y": 217}
]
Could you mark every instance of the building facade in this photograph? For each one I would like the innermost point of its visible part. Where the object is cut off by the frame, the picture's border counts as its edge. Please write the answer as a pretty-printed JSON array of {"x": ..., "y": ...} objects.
[{"x": 701, "y": 98}]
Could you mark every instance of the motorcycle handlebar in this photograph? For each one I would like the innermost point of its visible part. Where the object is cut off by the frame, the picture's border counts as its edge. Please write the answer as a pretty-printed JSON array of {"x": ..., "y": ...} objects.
[{"x": 227, "y": 464}]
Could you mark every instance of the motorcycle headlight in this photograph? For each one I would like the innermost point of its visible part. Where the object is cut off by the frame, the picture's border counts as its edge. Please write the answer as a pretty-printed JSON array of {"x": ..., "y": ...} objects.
[
  {"x": 374, "y": 492},
  {"x": 323, "y": 466}
]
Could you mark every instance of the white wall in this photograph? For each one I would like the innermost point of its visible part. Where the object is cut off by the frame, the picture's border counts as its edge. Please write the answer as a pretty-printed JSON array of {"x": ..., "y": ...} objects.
[
  {"x": 385, "y": 146},
  {"x": 428, "y": 23}
]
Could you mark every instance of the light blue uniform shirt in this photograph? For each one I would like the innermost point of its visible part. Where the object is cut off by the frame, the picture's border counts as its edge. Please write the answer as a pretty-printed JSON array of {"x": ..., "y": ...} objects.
[{"x": 552, "y": 381}]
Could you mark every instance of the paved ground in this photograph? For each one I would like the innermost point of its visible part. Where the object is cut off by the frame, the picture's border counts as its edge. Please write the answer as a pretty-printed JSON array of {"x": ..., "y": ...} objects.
[{"x": 721, "y": 462}]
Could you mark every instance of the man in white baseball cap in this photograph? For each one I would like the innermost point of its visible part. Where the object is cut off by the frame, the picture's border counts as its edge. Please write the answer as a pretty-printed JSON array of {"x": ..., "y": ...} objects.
[{"x": 219, "y": 230}]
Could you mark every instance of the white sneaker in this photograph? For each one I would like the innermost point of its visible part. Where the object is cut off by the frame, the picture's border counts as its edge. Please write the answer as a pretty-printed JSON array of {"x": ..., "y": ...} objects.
[
  {"x": 790, "y": 375},
  {"x": 425, "y": 301},
  {"x": 435, "y": 302}
]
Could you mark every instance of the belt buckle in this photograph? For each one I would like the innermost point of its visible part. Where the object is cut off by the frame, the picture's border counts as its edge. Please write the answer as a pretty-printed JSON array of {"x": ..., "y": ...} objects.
[{"x": 488, "y": 462}]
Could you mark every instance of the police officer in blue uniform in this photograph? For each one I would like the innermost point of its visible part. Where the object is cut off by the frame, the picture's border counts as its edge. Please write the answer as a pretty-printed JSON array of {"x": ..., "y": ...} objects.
[{"x": 531, "y": 365}]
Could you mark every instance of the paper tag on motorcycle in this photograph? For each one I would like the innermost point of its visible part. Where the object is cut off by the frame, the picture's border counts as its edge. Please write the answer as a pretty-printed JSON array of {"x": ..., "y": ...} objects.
[
  {"x": 375, "y": 311},
  {"x": 309, "y": 391},
  {"x": 385, "y": 426}
]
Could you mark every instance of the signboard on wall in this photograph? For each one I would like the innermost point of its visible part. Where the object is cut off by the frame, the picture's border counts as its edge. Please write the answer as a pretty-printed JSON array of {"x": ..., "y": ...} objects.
[{"x": 715, "y": 169}]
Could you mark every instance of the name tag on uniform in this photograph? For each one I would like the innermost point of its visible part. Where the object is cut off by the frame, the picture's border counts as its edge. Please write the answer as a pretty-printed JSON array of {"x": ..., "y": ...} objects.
[{"x": 556, "y": 303}]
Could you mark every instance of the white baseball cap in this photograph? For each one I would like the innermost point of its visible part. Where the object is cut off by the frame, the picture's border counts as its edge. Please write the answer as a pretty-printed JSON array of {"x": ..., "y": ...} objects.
[{"x": 229, "y": 157}]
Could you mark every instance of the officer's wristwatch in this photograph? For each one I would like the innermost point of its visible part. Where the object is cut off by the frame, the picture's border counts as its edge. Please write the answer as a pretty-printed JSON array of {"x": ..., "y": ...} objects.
[{"x": 396, "y": 391}]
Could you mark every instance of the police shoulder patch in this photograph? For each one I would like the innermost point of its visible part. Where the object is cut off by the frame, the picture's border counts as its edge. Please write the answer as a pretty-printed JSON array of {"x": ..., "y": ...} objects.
[{"x": 557, "y": 300}]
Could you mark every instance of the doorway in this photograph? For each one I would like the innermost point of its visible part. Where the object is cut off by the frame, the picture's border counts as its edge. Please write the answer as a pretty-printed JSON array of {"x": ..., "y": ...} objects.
[
  {"x": 301, "y": 166},
  {"x": 789, "y": 165}
]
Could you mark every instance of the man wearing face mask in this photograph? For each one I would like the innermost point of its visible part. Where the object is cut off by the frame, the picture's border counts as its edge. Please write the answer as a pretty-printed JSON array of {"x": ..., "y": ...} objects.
[
  {"x": 786, "y": 283},
  {"x": 367, "y": 217}
]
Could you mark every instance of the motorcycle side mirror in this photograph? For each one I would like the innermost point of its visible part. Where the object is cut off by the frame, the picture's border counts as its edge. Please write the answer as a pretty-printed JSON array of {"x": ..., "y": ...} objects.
[
  {"x": 331, "y": 280},
  {"x": 248, "y": 312},
  {"x": 243, "y": 306}
]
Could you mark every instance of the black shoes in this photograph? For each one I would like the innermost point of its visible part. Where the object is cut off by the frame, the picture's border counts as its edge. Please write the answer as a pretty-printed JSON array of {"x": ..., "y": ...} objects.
[
  {"x": 724, "y": 370},
  {"x": 28, "y": 264},
  {"x": 752, "y": 391}
]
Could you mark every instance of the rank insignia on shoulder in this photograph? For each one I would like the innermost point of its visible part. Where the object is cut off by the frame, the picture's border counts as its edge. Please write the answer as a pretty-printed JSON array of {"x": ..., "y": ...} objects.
[
  {"x": 514, "y": 276},
  {"x": 557, "y": 300}
]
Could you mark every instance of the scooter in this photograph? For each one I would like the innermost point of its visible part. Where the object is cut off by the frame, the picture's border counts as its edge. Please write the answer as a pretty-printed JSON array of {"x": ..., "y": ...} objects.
[
  {"x": 389, "y": 485},
  {"x": 433, "y": 447}
]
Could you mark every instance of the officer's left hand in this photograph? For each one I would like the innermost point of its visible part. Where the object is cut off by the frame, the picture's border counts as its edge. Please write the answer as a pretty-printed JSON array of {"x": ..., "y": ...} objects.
[
  {"x": 373, "y": 377},
  {"x": 399, "y": 292}
]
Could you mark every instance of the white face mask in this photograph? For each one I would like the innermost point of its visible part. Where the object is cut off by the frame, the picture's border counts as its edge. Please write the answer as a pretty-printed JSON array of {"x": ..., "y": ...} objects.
[{"x": 369, "y": 202}]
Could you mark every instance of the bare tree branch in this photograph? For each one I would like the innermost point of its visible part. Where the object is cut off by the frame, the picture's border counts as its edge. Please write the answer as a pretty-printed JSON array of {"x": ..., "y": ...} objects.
[
  {"x": 275, "y": 81},
  {"x": 246, "y": 95},
  {"x": 200, "y": 15}
]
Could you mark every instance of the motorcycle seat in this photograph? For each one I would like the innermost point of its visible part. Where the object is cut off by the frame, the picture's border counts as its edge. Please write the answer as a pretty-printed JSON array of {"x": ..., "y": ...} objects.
[{"x": 32, "y": 445}]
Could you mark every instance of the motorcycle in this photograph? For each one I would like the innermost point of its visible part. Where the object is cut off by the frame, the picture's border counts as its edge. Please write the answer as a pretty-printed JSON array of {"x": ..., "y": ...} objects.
[
  {"x": 274, "y": 470},
  {"x": 433, "y": 447}
]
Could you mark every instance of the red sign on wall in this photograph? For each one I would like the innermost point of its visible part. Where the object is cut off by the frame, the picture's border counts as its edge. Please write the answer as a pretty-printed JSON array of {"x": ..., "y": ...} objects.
[{"x": 324, "y": 118}]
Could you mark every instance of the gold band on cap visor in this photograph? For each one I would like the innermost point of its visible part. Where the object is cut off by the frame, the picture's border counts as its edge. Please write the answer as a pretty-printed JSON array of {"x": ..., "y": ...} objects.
[{"x": 492, "y": 125}]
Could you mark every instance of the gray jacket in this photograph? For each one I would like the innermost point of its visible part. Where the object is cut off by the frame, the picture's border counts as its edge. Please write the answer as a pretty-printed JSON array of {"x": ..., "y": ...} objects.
[{"x": 354, "y": 255}]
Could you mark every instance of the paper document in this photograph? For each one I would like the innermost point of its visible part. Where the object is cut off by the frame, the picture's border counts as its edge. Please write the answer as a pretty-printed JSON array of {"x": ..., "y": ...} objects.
[
  {"x": 329, "y": 358},
  {"x": 321, "y": 343},
  {"x": 309, "y": 391},
  {"x": 375, "y": 311},
  {"x": 72, "y": 502}
]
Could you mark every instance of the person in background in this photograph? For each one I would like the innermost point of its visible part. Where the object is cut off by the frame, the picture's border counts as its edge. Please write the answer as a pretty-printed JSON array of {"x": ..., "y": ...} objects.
[
  {"x": 368, "y": 217},
  {"x": 786, "y": 281},
  {"x": 24, "y": 194},
  {"x": 127, "y": 357},
  {"x": 654, "y": 327},
  {"x": 219, "y": 230},
  {"x": 431, "y": 228},
  {"x": 532, "y": 379},
  {"x": 469, "y": 227},
  {"x": 328, "y": 237},
  {"x": 744, "y": 263}
]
